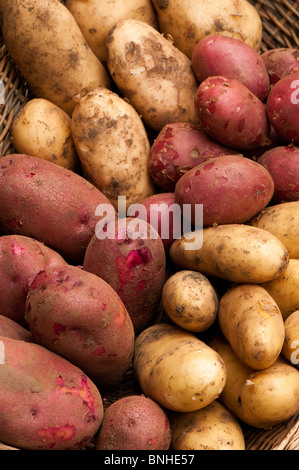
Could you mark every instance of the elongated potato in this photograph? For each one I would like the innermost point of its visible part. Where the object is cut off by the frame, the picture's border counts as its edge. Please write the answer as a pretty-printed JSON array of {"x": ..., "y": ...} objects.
[
  {"x": 176, "y": 369},
  {"x": 234, "y": 252},
  {"x": 263, "y": 398},
  {"x": 188, "y": 22},
  {"x": 211, "y": 428},
  {"x": 282, "y": 220},
  {"x": 284, "y": 289},
  {"x": 95, "y": 19},
  {"x": 253, "y": 325},
  {"x": 152, "y": 74},
  {"x": 49, "y": 49},
  {"x": 113, "y": 146},
  {"x": 290, "y": 348}
]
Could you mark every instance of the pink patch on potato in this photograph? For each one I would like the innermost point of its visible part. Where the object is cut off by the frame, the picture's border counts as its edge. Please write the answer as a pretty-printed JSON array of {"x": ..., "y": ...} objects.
[{"x": 62, "y": 433}]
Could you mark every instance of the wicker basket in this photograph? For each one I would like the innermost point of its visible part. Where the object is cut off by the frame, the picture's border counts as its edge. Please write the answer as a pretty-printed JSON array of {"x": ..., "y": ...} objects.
[{"x": 280, "y": 29}]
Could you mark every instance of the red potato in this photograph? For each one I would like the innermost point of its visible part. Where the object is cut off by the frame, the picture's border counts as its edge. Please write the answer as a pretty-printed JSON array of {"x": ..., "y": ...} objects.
[
  {"x": 21, "y": 259},
  {"x": 280, "y": 62},
  {"x": 42, "y": 200},
  {"x": 283, "y": 165},
  {"x": 232, "y": 190},
  {"x": 46, "y": 403},
  {"x": 232, "y": 114},
  {"x": 178, "y": 148},
  {"x": 230, "y": 57},
  {"x": 283, "y": 108},
  {"x": 79, "y": 316},
  {"x": 13, "y": 330},
  {"x": 132, "y": 260},
  {"x": 134, "y": 423}
]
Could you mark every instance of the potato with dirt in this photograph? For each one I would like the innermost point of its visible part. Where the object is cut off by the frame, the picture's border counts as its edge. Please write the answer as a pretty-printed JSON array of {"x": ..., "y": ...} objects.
[
  {"x": 281, "y": 62},
  {"x": 290, "y": 349},
  {"x": 50, "y": 51}
]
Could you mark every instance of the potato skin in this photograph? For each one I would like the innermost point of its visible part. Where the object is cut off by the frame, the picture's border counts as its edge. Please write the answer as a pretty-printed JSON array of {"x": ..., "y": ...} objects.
[
  {"x": 89, "y": 15},
  {"x": 21, "y": 259},
  {"x": 216, "y": 183},
  {"x": 290, "y": 349},
  {"x": 54, "y": 205},
  {"x": 190, "y": 301},
  {"x": 188, "y": 22},
  {"x": 231, "y": 114},
  {"x": 46, "y": 35},
  {"x": 230, "y": 252},
  {"x": 11, "y": 329},
  {"x": 152, "y": 74},
  {"x": 133, "y": 267},
  {"x": 280, "y": 62},
  {"x": 134, "y": 423},
  {"x": 177, "y": 370},
  {"x": 230, "y": 57},
  {"x": 178, "y": 148},
  {"x": 56, "y": 406},
  {"x": 79, "y": 316},
  {"x": 113, "y": 146},
  {"x": 263, "y": 398},
  {"x": 42, "y": 129},
  {"x": 251, "y": 321},
  {"x": 211, "y": 428}
]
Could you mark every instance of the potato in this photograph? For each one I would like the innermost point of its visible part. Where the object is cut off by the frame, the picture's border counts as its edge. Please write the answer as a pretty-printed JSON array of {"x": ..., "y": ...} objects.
[
  {"x": 10, "y": 329},
  {"x": 176, "y": 369},
  {"x": 282, "y": 108},
  {"x": 113, "y": 146},
  {"x": 290, "y": 348},
  {"x": 280, "y": 62},
  {"x": 211, "y": 428},
  {"x": 49, "y": 49},
  {"x": 215, "y": 183},
  {"x": 43, "y": 130},
  {"x": 52, "y": 204},
  {"x": 233, "y": 58},
  {"x": 252, "y": 323},
  {"x": 282, "y": 163},
  {"x": 132, "y": 261},
  {"x": 282, "y": 220},
  {"x": 134, "y": 423},
  {"x": 21, "y": 259},
  {"x": 46, "y": 403},
  {"x": 152, "y": 74},
  {"x": 190, "y": 301},
  {"x": 231, "y": 114},
  {"x": 95, "y": 19},
  {"x": 178, "y": 148},
  {"x": 263, "y": 398},
  {"x": 79, "y": 316},
  {"x": 231, "y": 252},
  {"x": 284, "y": 289},
  {"x": 189, "y": 22}
]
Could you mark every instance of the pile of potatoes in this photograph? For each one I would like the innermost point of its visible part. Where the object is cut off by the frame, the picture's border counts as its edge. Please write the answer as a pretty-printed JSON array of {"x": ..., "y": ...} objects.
[{"x": 142, "y": 113}]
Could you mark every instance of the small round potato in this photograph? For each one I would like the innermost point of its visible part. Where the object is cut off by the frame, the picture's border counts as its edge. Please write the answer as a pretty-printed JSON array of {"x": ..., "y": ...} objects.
[
  {"x": 41, "y": 129},
  {"x": 211, "y": 428},
  {"x": 290, "y": 348},
  {"x": 190, "y": 300},
  {"x": 176, "y": 369}
]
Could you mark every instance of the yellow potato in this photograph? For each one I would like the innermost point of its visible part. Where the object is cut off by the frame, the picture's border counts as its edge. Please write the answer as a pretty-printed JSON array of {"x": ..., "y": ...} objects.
[
  {"x": 284, "y": 289},
  {"x": 42, "y": 129},
  {"x": 49, "y": 49},
  {"x": 190, "y": 301},
  {"x": 189, "y": 21},
  {"x": 282, "y": 220},
  {"x": 234, "y": 252},
  {"x": 211, "y": 428},
  {"x": 152, "y": 74},
  {"x": 176, "y": 369},
  {"x": 263, "y": 398},
  {"x": 290, "y": 348},
  {"x": 113, "y": 146},
  {"x": 252, "y": 323},
  {"x": 95, "y": 18}
]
